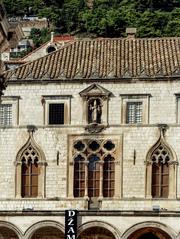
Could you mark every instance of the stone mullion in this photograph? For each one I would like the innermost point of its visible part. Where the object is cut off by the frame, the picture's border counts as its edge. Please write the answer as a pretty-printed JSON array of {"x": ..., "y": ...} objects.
[
  {"x": 101, "y": 163},
  {"x": 86, "y": 179}
]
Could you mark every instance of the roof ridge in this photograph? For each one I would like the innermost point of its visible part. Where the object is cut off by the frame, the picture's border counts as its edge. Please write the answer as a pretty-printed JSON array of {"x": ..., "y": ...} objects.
[{"x": 121, "y": 57}]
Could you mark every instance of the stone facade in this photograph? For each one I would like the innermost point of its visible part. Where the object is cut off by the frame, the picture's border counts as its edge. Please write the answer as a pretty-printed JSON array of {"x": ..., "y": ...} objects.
[{"x": 131, "y": 209}]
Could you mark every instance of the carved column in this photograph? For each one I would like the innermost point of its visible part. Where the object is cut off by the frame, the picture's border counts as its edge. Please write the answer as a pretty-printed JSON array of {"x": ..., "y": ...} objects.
[
  {"x": 101, "y": 163},
  {"x": 148, "y": 179},
  {"x": 86, "y": 179}
]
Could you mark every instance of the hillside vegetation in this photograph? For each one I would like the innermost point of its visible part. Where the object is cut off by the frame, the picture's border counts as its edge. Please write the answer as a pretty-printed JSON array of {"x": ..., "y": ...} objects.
[{"x": 107, "y": 18}]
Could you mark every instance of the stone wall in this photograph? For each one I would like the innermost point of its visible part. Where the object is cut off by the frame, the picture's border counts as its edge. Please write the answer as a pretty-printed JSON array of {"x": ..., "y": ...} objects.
[{"x": 53, "y": 139}]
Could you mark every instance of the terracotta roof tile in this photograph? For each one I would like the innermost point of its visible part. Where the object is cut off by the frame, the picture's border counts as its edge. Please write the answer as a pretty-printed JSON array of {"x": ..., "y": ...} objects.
[{"x": 104, "y": 59}]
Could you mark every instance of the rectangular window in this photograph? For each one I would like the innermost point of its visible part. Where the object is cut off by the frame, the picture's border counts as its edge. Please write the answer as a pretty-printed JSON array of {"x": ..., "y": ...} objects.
[
  {"x": 56, "y": 113},
  {"x": 6, "y": 114},
  {"x": 135, "y": 108},
  {"x": 134, "y": 112}
]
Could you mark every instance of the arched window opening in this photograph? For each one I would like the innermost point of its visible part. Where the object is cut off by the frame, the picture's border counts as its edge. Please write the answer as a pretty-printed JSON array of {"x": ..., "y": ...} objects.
[
  {"x": 50, "y": 49},
  {"x": 48, "y": 232},
  {"x": 30, "y": 170},
  {"x": 96, "y": 233},
  {"x": 94, "y": 168},
  {"x": 149, "y": 233}
]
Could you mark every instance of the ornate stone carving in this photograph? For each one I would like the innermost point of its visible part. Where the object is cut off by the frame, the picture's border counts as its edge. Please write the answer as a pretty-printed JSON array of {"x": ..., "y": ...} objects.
[
  {"x": 95, "y": 128},
  {"x": 31, "y": 150},
  {"x": 95, "y": 99},
  {"x": 161, "y": 152},
  {"x": 94, "y": 111}
]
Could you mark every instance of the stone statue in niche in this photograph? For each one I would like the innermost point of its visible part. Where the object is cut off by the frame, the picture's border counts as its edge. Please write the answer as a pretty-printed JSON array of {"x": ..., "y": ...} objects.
[{"x": 94, "y": 111}]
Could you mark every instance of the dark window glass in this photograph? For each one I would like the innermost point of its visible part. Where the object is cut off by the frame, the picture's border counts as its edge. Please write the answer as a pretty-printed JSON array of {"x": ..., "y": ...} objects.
[
  {"x": 56, "y": 113},
  {"x": 108, "y": 176}
]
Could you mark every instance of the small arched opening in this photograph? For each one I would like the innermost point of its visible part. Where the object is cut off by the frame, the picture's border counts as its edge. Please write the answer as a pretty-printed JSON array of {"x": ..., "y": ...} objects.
[
  {"x": 96, "y": 233},
  {"x": 48, "y": 232},
  {"x": 6, "y": 233},
  {"x": 149, "y": 233}
]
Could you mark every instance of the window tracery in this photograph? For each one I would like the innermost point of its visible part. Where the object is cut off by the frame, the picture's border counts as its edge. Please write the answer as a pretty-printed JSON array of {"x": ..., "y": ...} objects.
[{"x": 94, "y": 160}]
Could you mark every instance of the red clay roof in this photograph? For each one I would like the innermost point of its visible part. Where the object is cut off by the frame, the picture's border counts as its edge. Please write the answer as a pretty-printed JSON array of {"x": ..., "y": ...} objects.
[{"x": 106, "y": 59}]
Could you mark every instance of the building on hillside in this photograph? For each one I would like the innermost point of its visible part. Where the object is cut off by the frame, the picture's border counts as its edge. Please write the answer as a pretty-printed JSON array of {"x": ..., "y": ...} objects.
[
  {"x": 93, "y": 126},
  {"x": 27, "y": 23},
  {"x": 55, "y": 43},
  {"x": 9, "y": 36},
  {"x": 10, "y": 33}
]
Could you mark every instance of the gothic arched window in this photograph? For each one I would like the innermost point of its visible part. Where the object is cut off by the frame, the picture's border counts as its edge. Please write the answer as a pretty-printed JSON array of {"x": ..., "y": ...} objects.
[
  {"x": 94, "y": 168},
  {"x": 30, "y": 170},
  {"x": 161, "y": 170},
  {"x": 160, "y": 173}
]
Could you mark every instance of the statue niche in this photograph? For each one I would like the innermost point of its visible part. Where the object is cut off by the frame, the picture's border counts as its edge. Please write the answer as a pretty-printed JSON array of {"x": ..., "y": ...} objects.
[
  {"x": 94, "y": 111},
  {"x": 95, "y": 108}
]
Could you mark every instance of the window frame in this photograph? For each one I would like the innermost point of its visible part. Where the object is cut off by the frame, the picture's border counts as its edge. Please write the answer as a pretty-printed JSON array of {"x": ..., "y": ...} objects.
[
  {"x": 50, "y": 118},
  {"x": 14, "y": 102},
  {"x": 135, "y": 98},
  {"x": 56, "y": 99},
  {"x": 135, "y": 111},
  {"x": 6, "y": 116}
]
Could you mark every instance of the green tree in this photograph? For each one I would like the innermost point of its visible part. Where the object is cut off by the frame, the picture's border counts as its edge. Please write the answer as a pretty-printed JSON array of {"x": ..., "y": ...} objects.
[
  {"x": 70, "y": 14},
  {"x": 106, "y": 18},
  {"x": 39, "y": 36}
]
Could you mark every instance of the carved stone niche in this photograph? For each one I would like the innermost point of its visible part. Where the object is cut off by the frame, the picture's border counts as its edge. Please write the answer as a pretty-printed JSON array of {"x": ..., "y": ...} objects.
[{"x": 95, "y": 107}]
